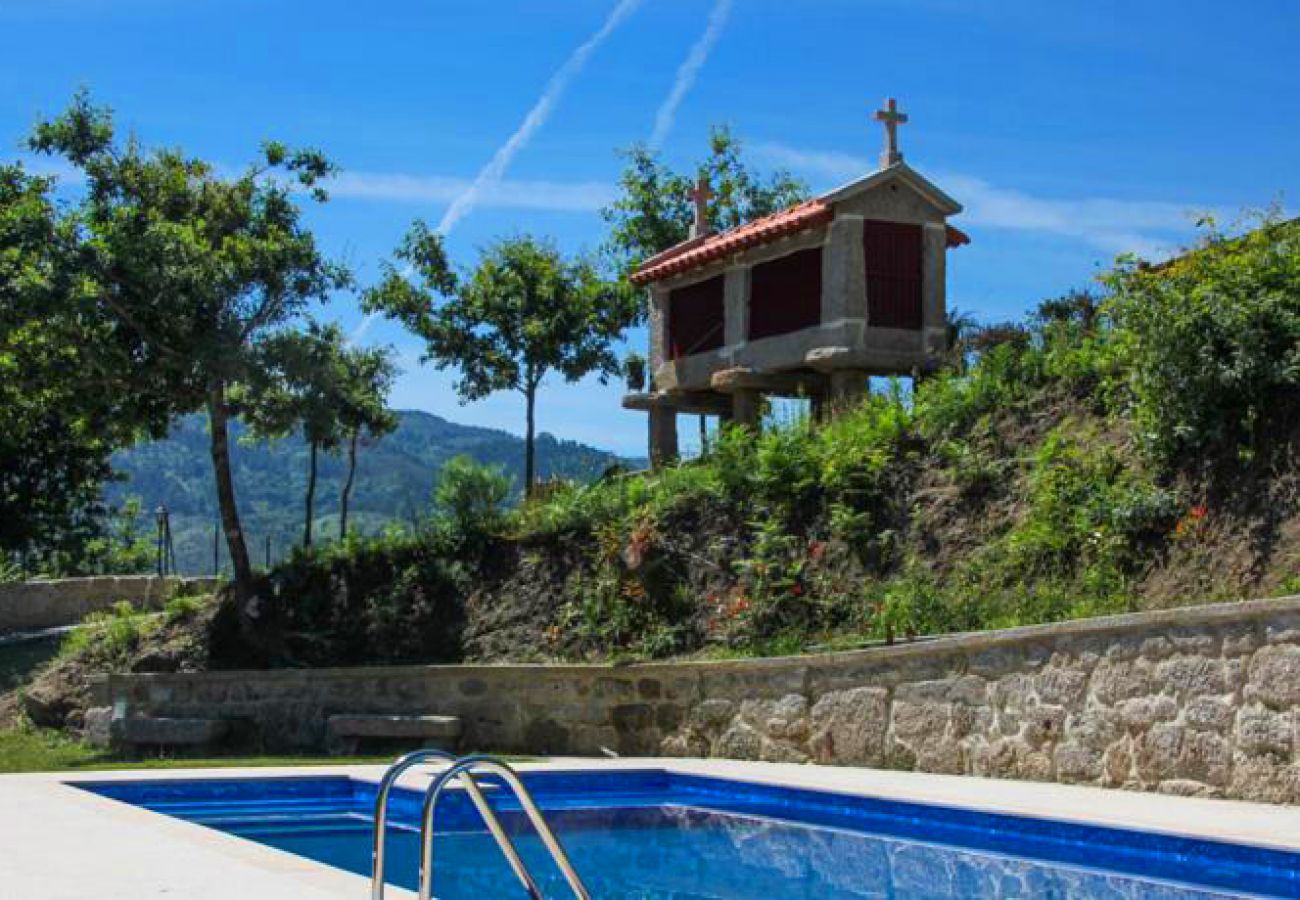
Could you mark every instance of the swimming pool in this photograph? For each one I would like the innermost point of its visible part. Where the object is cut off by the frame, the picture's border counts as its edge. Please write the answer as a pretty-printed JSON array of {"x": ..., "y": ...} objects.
[{"x": 673, "y": 836}]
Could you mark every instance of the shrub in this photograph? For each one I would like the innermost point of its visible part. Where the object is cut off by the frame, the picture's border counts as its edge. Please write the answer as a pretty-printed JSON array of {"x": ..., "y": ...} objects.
[
  {"x": 1213, "y": 341},
  {"x": 470, "y": 496}
]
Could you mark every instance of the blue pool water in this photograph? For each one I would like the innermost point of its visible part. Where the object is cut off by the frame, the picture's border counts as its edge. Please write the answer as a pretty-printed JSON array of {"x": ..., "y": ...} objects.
[{"x": 652, "y": 835}]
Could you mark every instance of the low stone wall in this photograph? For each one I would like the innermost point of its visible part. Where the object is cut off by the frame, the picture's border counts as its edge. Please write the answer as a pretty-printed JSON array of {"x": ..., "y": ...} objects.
[
  {"x": 65, "y": 601},
  {"x": 1201, "y": 700}
]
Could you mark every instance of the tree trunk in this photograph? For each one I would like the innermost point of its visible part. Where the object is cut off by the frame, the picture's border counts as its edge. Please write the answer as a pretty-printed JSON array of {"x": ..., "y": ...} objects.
[
  {"x": 218, "y": 419},
  {"x": 311, "y": 493},
  {"x": 530, "y": 403},
  {"x": 347, "y": 485}
]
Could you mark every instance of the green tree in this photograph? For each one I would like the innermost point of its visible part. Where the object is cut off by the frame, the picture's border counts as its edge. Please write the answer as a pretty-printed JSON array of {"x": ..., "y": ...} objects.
[
  {"x": 185, "y": 270},
  {"x": 524, "y": 313},
  {"x": 654, "y": 211},
  {"x": 297, "y": 385},
  {"x": 65, "y": 398},
  {"x": 367, "y": 377}
]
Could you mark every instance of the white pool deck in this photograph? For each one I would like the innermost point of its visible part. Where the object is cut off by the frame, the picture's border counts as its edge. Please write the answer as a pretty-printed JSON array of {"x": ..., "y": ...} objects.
[{"x": 60, "y": 843}]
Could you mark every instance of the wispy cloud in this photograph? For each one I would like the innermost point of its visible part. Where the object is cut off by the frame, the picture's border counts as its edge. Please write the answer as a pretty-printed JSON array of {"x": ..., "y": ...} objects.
[
  {"x": 397, "y": 187},
  {"x": 1150, "y": 228},
  {"x": 495, "y": 170},
  {"x": 489, "y": 187},
  {"x": 688, "y": 71}
]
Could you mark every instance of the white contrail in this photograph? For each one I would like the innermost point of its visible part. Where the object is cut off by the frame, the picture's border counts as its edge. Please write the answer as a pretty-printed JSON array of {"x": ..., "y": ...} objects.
[
  {"x": 495, "y": 170},
  {"x": 490, "y": 176},
  {"x": 688, "y": 71}
]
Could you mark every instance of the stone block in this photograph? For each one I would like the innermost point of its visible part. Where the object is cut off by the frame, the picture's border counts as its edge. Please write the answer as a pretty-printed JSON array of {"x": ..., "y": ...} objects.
[
  {"x": 445, "y": 728},
  {"x": 1206, "y": 757},
  {"x": 164, "y": 732},
  {"x": 1157, "y": 753},
  {"x": 633, "y": 717},
  {"x": 920, "y": 721},
  {"x": 849, "y": 727},
  {"x": 1115, "y": 680},
  {"x": 712, "y": 715},
  {"x": 97, "y": 726},
  {"x": 1192, "y": 676},
  {"x": 1209, "y": 713},
  {"x": 1076, "y": 763},
  {"x": 1264, "y": 779},
  {"x": 740, "y": 741},
  {"x": 1273, "y": 676},
  {"x": 1142, "y": 712},
  {"x": 784, "y": 719},
  {"x": 1061, "y": 686},
  {"x": 1262, "y": 731}
]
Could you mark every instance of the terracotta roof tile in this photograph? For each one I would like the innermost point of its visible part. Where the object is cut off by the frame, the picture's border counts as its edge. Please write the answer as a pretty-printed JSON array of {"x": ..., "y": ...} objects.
[{"x": 697, "y": 252}]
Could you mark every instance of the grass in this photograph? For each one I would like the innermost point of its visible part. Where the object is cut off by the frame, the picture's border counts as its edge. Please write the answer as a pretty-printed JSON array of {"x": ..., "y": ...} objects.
[{"x": 35, "y": 750}]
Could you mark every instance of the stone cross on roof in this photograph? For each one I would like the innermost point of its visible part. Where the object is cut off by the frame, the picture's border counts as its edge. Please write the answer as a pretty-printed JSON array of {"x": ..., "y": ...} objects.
[
  {"x": 701, "y": 194},
  {"x": 891, "y": 118}
]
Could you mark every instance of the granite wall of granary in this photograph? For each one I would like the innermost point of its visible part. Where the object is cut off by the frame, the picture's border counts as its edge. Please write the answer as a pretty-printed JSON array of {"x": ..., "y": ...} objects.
[
  {"x": 26, "y": 605},
  {"x": 1201, "y": 700}
]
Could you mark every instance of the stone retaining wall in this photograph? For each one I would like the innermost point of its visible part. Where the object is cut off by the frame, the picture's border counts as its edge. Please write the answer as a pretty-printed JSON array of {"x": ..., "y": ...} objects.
[
  {"x": 30, "y": 605},
  {"x": 1201, "y": 700}
]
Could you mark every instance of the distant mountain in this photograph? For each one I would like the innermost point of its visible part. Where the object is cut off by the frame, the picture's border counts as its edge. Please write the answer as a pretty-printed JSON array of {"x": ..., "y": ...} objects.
[{"x": 395, "y": 479}]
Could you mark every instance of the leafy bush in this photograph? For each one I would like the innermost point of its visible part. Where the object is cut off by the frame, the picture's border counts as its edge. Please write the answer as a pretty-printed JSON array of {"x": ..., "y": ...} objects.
[
  {"x": 111, "y": 636},
  {"x": 1213, "y": 341},
  {"x": 470, "y": 496},
  {"x": 394, "y": 598}
]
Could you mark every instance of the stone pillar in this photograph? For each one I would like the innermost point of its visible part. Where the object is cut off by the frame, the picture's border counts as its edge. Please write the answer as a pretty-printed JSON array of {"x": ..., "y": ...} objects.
[
  {"x": 663, "y": 435},
  {"x": 735, "y": 306},
  {"x": 847, "y": 388},
  {"x": 657, "y": 325},
  {"x": 747, "y": 408},
  {"x": 844, "y": 271},
  {"x": 934, "y": 310}
]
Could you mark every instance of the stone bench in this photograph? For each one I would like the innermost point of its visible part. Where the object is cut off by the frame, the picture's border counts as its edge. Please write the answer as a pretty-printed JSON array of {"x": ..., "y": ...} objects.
[
  {"x": 163, "y": 732},
  {"x": 346, "y": 732}
]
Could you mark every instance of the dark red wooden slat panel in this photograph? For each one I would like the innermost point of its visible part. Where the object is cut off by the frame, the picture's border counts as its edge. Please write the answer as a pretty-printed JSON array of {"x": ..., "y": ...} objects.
[
  {"x": 786, "y": 294},
  {"x": 893, "y": 262},
  {"x": 695, "y": 318}
]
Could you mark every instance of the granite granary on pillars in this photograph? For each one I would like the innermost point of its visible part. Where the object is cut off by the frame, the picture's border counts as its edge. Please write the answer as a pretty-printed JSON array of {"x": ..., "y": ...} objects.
[{"x": 808, "y": 302}]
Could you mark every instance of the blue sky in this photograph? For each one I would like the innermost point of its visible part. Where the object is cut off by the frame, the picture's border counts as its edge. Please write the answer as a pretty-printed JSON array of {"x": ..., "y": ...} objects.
[{"x": 1070, "y": 130}]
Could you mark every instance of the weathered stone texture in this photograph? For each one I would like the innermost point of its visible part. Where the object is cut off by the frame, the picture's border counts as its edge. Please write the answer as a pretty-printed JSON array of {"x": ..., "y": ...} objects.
[
  {"x": 1202, "y": 702},
  {"x": 66, "y": 601}
]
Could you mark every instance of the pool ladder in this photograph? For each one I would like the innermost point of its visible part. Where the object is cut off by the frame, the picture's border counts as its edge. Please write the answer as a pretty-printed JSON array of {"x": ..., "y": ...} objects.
[{"x": 463, "y": 769}]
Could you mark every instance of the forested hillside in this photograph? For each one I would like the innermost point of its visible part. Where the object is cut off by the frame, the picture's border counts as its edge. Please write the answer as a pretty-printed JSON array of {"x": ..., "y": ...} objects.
[{"x": 395, "y": 476}]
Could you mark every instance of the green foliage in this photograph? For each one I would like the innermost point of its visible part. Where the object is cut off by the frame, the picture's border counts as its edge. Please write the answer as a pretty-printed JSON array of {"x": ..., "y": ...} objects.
[
  {"x": 62, "y": 407},
  {"x": 524, "y": 313},
  {"x": 389, "y": 599},
  {"x": 111, "y": 636},
  {"x": 654, "y": 211},
  {"x": 123, "y": 547},
  {"x": 182, "y": 271},
  {"x": 471, "y": 497},
  {"x": 1213, "y": 341}
]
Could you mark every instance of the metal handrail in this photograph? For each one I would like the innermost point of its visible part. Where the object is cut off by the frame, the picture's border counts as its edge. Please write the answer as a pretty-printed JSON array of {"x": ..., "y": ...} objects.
[
  {"x": 465, "y": 767},
  {"x": 394, "y": 772}
]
